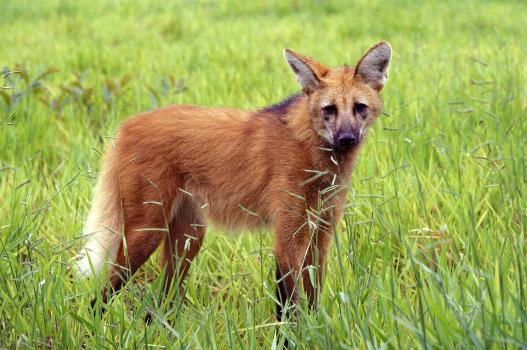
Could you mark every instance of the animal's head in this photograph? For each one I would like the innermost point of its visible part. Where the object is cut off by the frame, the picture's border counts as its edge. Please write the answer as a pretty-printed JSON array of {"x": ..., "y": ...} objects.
[{"x": 343, "y": 102}]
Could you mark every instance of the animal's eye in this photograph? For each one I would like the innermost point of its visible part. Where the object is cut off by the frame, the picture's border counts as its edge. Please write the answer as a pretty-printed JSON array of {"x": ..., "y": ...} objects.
[
  {"x": 328, "y": 111},
  {"x": 360, "y": 108}
]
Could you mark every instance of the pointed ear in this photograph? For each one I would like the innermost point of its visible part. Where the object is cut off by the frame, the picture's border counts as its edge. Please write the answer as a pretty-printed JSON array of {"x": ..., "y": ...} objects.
[
  {"x": 372, "y": 68},
  {"x": 308, "y": 71}
]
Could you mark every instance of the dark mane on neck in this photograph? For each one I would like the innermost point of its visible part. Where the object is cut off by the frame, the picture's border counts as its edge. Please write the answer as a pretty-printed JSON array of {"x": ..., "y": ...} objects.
[{"x": 281, "y": 108}]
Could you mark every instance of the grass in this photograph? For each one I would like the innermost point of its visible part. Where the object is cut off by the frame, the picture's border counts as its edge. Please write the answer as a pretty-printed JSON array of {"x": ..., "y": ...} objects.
[{"x": 432, "y": 250}]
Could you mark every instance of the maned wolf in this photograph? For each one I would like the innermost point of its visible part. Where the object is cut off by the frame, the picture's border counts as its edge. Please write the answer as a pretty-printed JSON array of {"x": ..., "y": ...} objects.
[{"x": 286, "y": 167}]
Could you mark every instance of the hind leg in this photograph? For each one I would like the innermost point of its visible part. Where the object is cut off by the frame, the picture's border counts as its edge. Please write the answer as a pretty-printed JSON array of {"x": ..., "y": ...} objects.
[
  {"x": 145, "y": 228},
  {"x": 187, "y": 230},
  {"x": 130, "y": 257}
]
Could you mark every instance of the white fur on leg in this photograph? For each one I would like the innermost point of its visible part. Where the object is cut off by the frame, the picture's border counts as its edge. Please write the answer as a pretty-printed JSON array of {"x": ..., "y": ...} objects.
[
  {"x": 102, "y": 230},
  {"x": 100, "y": 249}
]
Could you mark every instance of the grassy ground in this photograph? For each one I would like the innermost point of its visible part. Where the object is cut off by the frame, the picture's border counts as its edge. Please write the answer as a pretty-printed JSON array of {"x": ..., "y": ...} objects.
[{"x": 432, "y": 251}]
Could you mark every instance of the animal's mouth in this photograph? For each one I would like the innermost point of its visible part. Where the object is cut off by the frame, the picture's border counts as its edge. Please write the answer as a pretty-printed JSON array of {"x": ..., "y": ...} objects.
[
  {"x": 347, "y": 141},
  {"x": 342, "y": 142},
  {"x": 346, "y": 148}
]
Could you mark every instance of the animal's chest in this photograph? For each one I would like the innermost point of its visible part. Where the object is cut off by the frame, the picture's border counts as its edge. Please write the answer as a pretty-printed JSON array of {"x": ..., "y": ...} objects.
[{"x": 327, "y": 192}]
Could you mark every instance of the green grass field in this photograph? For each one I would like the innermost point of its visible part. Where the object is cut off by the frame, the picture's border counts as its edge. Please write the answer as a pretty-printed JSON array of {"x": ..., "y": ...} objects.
[{"x": 432, "y": 251}]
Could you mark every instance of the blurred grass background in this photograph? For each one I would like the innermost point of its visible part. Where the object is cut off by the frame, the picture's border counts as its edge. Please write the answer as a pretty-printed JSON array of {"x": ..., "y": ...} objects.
[{"x": 432, "y": 250}]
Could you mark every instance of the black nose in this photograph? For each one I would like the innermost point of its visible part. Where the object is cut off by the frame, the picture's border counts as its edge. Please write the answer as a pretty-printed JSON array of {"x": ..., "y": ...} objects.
[{"x": 347, "y": 140}]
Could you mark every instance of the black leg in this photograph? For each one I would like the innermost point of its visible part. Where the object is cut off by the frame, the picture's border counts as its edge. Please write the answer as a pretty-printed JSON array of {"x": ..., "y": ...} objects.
[{"x": 281, "y": 294}]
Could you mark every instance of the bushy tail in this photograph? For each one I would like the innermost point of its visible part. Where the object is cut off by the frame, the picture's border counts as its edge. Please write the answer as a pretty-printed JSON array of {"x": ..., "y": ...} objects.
[{"x": 104, "y": 223}]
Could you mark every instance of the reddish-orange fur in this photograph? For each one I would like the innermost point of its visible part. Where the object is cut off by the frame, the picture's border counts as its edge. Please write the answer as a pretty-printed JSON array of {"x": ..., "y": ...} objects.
[{"x": 178, "y": 166}]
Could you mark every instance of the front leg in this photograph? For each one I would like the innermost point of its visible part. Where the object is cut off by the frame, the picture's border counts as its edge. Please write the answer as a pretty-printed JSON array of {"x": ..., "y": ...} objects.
[
  {"x": 313, "y": 265},
  {"x": 298, "y": 249},
  {"x": 291, "y": 243}
]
